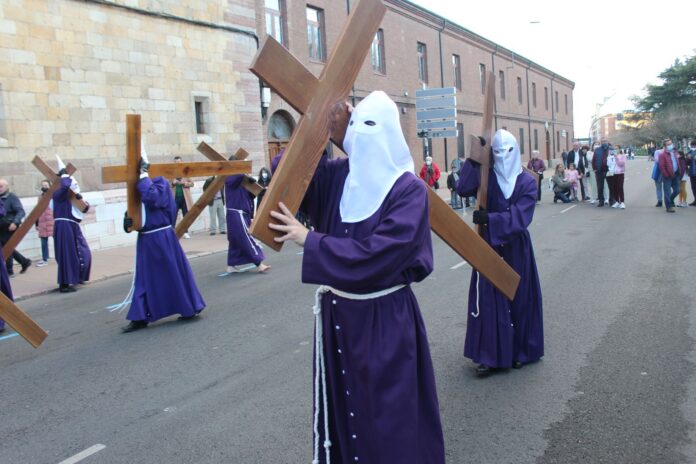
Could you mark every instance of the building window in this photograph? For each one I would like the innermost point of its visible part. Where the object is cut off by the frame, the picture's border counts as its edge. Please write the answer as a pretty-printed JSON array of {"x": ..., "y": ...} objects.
[
  {"x": 457, "y": 70},
  {"x": 501, "y": 78},
  {"x": 422, "y": 63},
  {"x": 556, "y": 101},
  {"x": 534, "y": 94},
  {"x": 315, "y": 34},
  {"x": 558, "y": 140},
  {"x": 546, "y": 98},
  {"x": 519, "y": 90},
  {"x": 4, "y": 142},
  {"x": 482, "y": 78},
  {"x": 461, "y": 150},
  {"x": 567, "y": 145},
  {"x": 521, "y": 141},
  {"x": 275, "y": 22},
  {"x": 378, "y": 62},
  {"x": 201, "y": 110},
  {"x": 536, "y": 139},
  {"x": 566, "y": 103}
]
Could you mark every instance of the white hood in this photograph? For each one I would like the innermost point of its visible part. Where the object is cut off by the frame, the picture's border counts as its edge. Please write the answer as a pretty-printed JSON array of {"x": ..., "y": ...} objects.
[
  {"x": 377, "y": 155},
  {"x": 507, "y": 163}
]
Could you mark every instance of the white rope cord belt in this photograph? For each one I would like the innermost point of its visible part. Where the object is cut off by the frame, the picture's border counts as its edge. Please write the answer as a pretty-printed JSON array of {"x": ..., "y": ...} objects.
[
  {"x": 129, "y": 297},
  {"x": 320, "y": 366},
  {"x": 478, "y": 277},
  {"x": 67, "y": 219}
]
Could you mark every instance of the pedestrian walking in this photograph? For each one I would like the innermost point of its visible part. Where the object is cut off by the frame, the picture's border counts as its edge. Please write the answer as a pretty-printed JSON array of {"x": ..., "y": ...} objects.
[
  {"x": 13, "y": 217},
  {"x": 430, "y": 173},
  {"x": 182, "y": 195},
  {"x": 44, "y": 226},
  {"x": 537, "y": 165}
]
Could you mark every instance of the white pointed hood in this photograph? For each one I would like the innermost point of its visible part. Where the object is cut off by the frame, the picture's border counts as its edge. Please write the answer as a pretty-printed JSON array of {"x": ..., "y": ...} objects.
[
  {"x": 377, "y": 155},
  {"x": 61, "y": 164},
  {"x": 507, "y": 163}
]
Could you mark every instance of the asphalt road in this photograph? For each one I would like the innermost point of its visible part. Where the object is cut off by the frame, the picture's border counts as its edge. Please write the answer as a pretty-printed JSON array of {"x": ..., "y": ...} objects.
[{"x": 617, "y": 384}]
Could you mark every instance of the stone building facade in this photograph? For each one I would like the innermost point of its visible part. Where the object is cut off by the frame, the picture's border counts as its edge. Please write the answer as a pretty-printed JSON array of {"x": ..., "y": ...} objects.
[
  {"x": 74, "y": 69},
  {"x": 415, "y": 49}
]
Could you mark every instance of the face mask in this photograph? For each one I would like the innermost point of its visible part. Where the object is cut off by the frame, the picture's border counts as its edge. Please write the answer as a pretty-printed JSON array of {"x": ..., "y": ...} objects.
[
  {"x": 44, "y": 189},
  {"x": 264, "y": 175},
  {"x": 670, "y": 147},
  {"x": 605, "y": 146}
]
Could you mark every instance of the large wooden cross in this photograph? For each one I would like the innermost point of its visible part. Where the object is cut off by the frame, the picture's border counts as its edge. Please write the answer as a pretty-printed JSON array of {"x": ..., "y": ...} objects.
[
  {"x": 481, "y": 148},
  {"x": 38, "y": 210},
  {"x": 21, "y": 322},
  {"x": 314, "y": 98},
  {"x": 130, "y": 173},
  {"x": 215, "y": 186}
]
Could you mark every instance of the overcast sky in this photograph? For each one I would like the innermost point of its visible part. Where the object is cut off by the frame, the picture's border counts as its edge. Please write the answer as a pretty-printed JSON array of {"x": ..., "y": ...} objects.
[{"x": 608, "y": 48}]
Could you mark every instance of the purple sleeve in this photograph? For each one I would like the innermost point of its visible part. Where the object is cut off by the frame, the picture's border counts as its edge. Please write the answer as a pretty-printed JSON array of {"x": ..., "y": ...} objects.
[
  {"x": 503, "y": 226},
  {"x": 398, "y": 251},
  {"x": 469, "y": 179},
  {"x": 62, "y": 193},
  {"x": 154, "y": 194}
]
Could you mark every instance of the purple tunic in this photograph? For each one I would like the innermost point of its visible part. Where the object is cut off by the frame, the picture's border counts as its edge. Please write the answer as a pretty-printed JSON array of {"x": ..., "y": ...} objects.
[
  {"x": 164, "y": 283},
  {"x": 4, "y": 278},
  {"x": 382, "y": 399},
  {"x": 242, "y": 248},
  {"x": 72, "y": 252},
  {"x": 504, "y": 331}
]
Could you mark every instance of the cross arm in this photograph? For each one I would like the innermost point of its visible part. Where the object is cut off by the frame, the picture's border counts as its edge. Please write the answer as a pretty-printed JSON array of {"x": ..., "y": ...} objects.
[
  {"x": 48, "y": 173},
  {"x": 33, "y": 216},
  {"x": 21, "y": 322},
  {"x": 112, "y": 174},
  {"x": 477, "y": 153}
]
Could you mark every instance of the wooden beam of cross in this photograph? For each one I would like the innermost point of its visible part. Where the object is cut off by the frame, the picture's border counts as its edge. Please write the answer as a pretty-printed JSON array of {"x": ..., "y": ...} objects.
[
  {"x": 130, "y": 173},
  {"x": 215, "y": 186},
  {"x": 443, "y": 220},
  {"x": 52, "y": 177},
  {"x": 251, "y": 185},
  {"x": 21, "y": 322},
  {"x": 314, "y": 98},
  {"x": 34, "y": 215}
]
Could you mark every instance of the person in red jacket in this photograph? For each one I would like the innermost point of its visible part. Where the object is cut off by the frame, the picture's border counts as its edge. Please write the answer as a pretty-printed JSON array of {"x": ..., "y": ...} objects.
[
  {"x": 430, "y": 173},
  {"x": 45, "y": 227},
  {"x": 672, "y": 171}
]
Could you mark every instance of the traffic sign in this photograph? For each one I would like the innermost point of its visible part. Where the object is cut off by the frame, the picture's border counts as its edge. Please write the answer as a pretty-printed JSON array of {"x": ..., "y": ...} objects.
[
  {"x": 430, "y": 125},
  {"x": 436, "y": 92},
  {"x": 427, "y": 115},
  {"x": 438, "y": 134},
  {"x": 439, "y": 102}
]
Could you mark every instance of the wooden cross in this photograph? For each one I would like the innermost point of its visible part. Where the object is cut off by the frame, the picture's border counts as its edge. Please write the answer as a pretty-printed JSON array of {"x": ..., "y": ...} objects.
[
  {"x": 481, "y": 151},
  {"x": 40, "y": 207},
  {"x": 21, "y": 322},
  {"x": 130, "y": 173},
  {"x": 314, "y": 98},
  {"x": 215, "y": 186}
]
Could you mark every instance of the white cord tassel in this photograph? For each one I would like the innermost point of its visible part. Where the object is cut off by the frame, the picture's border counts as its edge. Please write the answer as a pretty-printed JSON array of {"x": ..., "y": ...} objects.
[
  {"x": 129, "y": 298},
  {"x": 478, "y": 276},
  {"x": 320, "y": 379}
]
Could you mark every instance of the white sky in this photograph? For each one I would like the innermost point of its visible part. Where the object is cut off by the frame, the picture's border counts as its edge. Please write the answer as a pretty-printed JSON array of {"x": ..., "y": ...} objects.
[{"x": 608, "y": 48}]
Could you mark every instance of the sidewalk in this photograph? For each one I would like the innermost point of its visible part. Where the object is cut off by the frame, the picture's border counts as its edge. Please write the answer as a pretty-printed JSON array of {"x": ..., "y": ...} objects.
[{"x": 107, "y": 263}]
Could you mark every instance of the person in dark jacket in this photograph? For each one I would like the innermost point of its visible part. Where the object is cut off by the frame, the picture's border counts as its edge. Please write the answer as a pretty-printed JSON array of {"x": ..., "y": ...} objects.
[
  {"x": 14, "y": 214},
  {"x": 264, "y": 181},
  {"x": 537, "y": 165}
]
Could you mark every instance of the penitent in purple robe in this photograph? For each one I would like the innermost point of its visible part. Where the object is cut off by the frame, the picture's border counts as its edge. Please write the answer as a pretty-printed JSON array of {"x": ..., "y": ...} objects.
[
  {"x": 4, "y": 278},
  {"x": 504, "y": 331},
  {"x": 164, "y": 283},
  {"x": 242, "y": 248},
  {"x": 72, "y": 252},
  {"x": 382, "y": 400}
]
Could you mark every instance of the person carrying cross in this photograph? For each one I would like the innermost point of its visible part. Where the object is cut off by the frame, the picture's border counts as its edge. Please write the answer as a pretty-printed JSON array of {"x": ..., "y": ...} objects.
[
  {"x": 163, "y": 283},
  {"x": 375, "y": 395},
  {"x": 72, "y": 253},
  {"x": 502, "y": 333}
]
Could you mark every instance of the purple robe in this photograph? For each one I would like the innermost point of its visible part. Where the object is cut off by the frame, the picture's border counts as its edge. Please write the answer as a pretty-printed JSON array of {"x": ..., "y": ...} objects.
[
  {"x": 4, "y": 278},
  {"x": 72, "y": 252},
  {"x": 505, "y": 331},
  {"x": 242, "y": 247},
  {"x": 382, "y": 400},
  {"x": 164, "y": 283}
]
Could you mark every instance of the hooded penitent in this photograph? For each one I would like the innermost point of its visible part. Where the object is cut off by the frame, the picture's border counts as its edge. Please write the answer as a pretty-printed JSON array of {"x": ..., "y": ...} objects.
[
  {"x": 507, "y": 164},
  {"x": 377, "y": 155}
]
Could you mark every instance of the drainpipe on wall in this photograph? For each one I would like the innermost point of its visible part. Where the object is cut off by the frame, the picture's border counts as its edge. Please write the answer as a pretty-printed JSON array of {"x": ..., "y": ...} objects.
[
  {"x": 529, "y": 113},
  {"x": 442, "y": 79},
  {"x": 553, "y": 119},
  {"x": 495, "y": 97}
]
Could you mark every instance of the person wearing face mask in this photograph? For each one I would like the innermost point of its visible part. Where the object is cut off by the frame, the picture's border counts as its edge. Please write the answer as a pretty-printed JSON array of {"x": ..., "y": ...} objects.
[
  {"x": 502, "y": 333},
  {"x": 44, "y": 226},
  {"x": 671, "y": 171},
  {"x": 600, "y": 169},
  {"x": 264, "y": 181},
  {"x": 430, "y": 173},
  {"x": 216, "y": 209},
  {"x": 371, "y": 241}
]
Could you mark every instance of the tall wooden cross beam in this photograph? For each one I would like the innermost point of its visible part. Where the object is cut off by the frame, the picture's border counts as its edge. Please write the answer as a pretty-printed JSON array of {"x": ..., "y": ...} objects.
[
  {"x": 130, "y": 173},
  {"x": 314, "y": 98},
  {"x": 215, "y": 186},
  {"x": 40, "y": 207},
  {"x": 21, "y": 322}
]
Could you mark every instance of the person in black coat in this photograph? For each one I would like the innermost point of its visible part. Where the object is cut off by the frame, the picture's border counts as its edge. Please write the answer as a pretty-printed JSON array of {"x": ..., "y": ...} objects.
[{"x": 14, "y": 213}]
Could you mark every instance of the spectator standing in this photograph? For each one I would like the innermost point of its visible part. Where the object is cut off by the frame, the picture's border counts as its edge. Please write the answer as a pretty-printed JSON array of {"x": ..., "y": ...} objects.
[
  {"x": 182, "y": 195},
  {"x": 671, "y": 172},
  {"x": 14, "y": 214},
  {"x": 578, "y": 157},
  {"x": 452, "y": 179},
  {"x": 656, "y": 176},
  {"x": 618, "y": 180},
  {"x": 430, "y": 173},
  {"x": 572, "y": 176},
  {"x": 216, "y": 209},
  {"x": 691, "y": 159},
  {"x": 600, "y": 169},
  {"x": 537, "y": 165},
  {"x": 264, "y": 181},
  {"x": 683, "y": 166},
  {"x": 564, "y": 156},
  {"x": 44, "y": 226}
]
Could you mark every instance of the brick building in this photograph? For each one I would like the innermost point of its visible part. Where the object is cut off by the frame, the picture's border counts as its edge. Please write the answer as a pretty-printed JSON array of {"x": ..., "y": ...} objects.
[{"x": 416, "y": 49}]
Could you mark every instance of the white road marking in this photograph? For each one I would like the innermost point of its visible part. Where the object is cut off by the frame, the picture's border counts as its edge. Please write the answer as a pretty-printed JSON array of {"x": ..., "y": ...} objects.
[
  {"x": 568, "y": 209},
  {"x": 83, "y": 454},
  {"x": 457, "y": 266}
]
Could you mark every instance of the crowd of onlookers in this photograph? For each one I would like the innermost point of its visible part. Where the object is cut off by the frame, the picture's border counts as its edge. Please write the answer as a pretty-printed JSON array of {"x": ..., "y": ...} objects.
[{"x": 672, "y": 169}]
